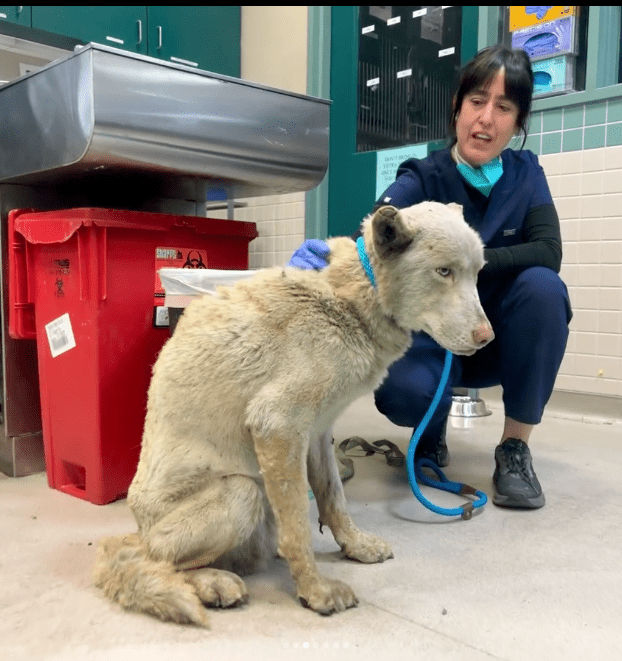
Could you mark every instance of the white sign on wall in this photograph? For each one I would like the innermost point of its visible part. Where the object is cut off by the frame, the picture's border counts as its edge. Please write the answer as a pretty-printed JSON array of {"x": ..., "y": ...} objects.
[{"x": 388, "y": 160}]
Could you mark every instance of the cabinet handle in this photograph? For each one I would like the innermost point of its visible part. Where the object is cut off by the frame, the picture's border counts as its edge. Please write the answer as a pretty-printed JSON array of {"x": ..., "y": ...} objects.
[
  {"x": 20, "y": 9},
  {"x": 186, "y": 62},
  {"x": 115, "y": 40},
  {"x": 140, "y": 32},
  {"x": 159, "y": 29}
]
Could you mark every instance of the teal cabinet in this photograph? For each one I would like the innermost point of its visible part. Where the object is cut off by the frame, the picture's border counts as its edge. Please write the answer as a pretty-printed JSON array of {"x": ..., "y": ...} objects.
[
  {"x": 20, "y": 14},
  {"x": 205, "y": 37},
  {"x": 121, "y": 27},
  {"x": 199, "y": 36}
]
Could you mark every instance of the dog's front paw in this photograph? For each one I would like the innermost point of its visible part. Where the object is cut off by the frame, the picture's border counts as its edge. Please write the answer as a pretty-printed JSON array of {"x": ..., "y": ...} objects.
[
  {"x": 327, "y": 596},
  {"x": 368, "y": 548}
]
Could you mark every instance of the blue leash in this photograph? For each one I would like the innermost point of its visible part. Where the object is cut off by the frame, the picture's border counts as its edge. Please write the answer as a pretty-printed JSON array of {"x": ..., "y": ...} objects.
[{"x": 415, "y": 471}]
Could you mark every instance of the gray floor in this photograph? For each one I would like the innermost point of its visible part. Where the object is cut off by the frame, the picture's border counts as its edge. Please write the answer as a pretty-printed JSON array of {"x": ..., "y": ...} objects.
[{"x": 517, "y": 585}]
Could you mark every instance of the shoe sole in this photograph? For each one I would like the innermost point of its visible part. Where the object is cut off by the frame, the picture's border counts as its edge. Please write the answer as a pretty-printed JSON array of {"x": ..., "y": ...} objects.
[{"x": 518, "y": 502}]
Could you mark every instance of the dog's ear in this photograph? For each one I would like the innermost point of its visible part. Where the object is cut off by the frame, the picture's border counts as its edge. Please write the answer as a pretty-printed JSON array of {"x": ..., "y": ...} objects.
[
  {"x": 390, "y": 233},
  {"x": 456, "y": 207}
]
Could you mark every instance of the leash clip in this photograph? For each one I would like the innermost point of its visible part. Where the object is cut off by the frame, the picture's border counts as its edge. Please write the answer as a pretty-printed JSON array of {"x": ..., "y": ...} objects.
[{"x": 467, "y": 511}]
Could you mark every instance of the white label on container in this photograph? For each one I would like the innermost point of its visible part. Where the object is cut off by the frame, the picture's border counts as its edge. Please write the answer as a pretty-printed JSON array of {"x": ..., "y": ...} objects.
[
  {"x": 446, "y": 51},
  {"x": 60, "y": 335},
  {"x": 373, "y": 81},
  {"x": 420, "y": 12},
  {"x": 403, "y": 74},
  {"x": 368, "y": 29},
  {"x": 394, "y": 20}
]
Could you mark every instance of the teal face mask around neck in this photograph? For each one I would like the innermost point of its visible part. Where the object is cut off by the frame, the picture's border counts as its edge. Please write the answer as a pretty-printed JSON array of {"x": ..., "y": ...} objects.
[{"x": 482, "y": 178}]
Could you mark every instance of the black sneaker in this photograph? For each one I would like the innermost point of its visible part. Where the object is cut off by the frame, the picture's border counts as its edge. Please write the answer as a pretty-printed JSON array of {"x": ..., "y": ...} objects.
[
  {"x": 515, "y": 482},
  {"x": 435, "y": 449}
]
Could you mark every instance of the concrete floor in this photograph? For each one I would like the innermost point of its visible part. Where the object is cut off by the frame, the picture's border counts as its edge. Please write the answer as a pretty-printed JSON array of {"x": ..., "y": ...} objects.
[{"x": 518, "y": 585}]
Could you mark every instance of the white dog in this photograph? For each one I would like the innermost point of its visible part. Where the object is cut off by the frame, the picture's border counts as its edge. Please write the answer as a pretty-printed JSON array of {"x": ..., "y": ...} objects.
[{"x": 241, "y": 401}]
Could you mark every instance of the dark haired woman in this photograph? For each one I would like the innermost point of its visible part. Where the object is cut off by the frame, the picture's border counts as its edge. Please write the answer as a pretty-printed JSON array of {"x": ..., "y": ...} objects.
[{"x": 506, "y": 198}]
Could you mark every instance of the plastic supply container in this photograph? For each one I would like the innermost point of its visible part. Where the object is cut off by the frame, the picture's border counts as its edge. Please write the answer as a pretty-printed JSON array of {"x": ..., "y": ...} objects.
[
  {"x": 553, "y": 76},
  {"x": 524, "y": 16},
  {"x": 90, "y": 276}
]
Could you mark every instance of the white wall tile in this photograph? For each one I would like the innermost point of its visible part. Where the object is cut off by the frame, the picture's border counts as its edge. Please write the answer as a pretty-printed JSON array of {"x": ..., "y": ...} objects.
[
  {"x": 593, "y": 160},
  {"x": 585, "y": 298},
  {"x": 591, "y": 183},
  {"x": 585, "y": 320},
  {"x": 569, "y": 229},
  {"x": 591, "y": 206},
  {"x": 610, "y": 298},
  {"x": 612, "y": 228},
  {"x": 610, "y": 321},
  {"x": 567, "y": 207},
  {"x": 608, "y": 344},
  {"x": 570, "y": 185},
  {"x": 611, "y": 252},
  {"x": 611, "y": 274},
  {"x": 612, "y": 205},
  {"x": 591, "y": 230},
  {"x": 612, "y": 181},
  {"x": 570, "y": 162},
  {"x": 551, "y": 164},
  {"x": 588, "y": 253},
  {"x": 613, "y": 158}
]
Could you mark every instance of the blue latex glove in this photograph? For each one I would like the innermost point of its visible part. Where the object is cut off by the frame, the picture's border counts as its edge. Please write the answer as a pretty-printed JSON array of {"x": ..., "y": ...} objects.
[{"x": 312, "y": 254}]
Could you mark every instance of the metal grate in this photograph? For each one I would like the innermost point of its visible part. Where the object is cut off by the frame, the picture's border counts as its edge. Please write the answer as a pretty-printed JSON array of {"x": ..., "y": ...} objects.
[{"x": 404, "y": 86}]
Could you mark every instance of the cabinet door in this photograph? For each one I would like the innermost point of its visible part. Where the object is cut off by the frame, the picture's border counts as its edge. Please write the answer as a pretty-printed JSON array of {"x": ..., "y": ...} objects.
[
  {"x": 205, "y": 37},
  {"x": 16, "y": 14},
  {"x": 122, "y": 27}
]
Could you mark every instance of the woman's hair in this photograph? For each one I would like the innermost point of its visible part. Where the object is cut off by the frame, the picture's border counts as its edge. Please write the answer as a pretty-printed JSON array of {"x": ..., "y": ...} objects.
[{"x": 481, "y": 70}]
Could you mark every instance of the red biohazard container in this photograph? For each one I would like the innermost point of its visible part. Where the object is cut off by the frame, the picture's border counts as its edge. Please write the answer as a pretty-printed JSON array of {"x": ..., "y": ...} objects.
[{"x": 84, "y": 283}]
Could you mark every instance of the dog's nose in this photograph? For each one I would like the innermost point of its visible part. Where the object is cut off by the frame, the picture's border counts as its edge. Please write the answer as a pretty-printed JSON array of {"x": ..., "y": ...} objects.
[{"x": 483, "y": 334}]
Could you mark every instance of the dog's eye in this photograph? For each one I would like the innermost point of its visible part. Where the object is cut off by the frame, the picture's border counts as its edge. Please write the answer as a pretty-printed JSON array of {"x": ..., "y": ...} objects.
[{"x": 444, "y": 271}]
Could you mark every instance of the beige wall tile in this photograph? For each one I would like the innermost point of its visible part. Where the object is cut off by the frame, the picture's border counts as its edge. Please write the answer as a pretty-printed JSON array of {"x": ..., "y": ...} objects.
[
  {"x": 570, "y": 162},
  {"x": 551, "y": 164},
  {"x": 593, "y": 160},
  {"x": 591, "y": 183},
  {"x": 613, "y": 158}
]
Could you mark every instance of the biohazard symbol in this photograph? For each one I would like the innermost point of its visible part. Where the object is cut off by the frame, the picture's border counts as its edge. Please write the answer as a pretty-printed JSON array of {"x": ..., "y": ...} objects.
[{"x": 194, "y": 261}]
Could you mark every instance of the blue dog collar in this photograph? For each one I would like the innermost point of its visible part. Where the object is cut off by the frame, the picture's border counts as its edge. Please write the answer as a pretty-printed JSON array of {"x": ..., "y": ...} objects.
[{"x": 360, "y": 246}]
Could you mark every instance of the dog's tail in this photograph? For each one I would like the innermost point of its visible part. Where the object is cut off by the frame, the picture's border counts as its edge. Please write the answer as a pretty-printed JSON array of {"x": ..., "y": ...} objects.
[{"x": 127, "y": 575}]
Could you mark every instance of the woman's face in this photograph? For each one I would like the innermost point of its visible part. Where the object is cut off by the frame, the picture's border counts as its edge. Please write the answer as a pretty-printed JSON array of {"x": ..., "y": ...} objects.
[{"x": 486, "y": 122}]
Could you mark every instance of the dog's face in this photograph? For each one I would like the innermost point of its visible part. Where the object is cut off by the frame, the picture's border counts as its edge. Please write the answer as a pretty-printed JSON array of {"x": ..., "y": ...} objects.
[{"x": 426, "y": 260}]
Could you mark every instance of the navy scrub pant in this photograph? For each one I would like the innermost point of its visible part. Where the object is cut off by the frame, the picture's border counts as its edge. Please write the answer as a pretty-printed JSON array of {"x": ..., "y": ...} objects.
[{"x": 529, "y": 315}]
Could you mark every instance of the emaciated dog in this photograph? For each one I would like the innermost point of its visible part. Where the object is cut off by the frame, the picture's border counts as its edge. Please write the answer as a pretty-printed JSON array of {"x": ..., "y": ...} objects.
[{"x": 242, "y": 400}]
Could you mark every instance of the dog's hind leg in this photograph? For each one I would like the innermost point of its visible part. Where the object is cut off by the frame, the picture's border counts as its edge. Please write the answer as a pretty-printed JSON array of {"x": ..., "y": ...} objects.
[
  {"x": 224, "y": 516},
  {"x": 328, "y": 490}
]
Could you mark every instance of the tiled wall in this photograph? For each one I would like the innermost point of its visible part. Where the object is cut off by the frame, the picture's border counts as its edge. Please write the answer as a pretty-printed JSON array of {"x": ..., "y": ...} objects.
[
  {"x": 585, "y": 126},
  {"x": 580, "y": 149},
  {"x": 587, "y": 189},
  {"x": 281, "y": 225}
]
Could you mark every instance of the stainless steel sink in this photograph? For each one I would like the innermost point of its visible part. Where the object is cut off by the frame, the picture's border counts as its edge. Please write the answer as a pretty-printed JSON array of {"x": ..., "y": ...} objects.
[{"x": 106, "y": 115}]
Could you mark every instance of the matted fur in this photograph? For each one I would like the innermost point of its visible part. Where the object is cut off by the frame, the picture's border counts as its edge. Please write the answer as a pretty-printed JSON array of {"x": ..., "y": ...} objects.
[{"x": 242, "y": 399}]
